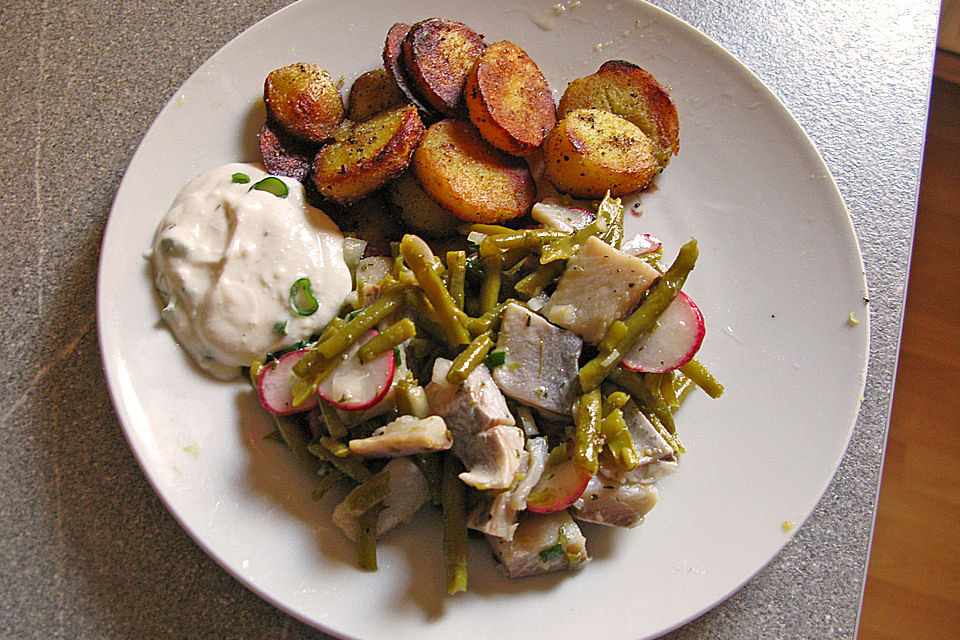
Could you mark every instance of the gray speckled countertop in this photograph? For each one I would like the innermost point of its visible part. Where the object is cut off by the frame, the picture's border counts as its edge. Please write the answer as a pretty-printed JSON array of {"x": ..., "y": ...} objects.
[{"x": 86, "y": 548}]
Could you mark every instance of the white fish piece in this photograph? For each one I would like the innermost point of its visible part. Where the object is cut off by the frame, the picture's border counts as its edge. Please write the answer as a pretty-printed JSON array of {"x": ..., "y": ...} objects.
[
  {"x": 497, "y": 516},
  {"x": 540, "y": 361},
  {"x": 656, "y": 457},
  {"x": 485, "y": 436},
  {"x": 542, "y": 542},
  {"x": 406, "y": 492},
  {"x": 610, "y": 503},
  {"x": 599, "y": 286},
  {"x": 405, "y": 436}
]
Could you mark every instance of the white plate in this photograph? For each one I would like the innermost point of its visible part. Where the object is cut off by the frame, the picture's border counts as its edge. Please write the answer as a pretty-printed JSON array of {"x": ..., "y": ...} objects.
[{"x": 778, "y": 277}]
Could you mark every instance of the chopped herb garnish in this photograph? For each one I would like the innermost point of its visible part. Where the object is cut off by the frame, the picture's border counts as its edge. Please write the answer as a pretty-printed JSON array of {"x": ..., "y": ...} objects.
[
  {"x": 495, "y": 359},
  {"x": 301, "y": 298},
  {"x": 551, "y": 553},
  {"x": 272, "y": 184},
  {"x": 240, "y": 178},
  {"x": 281, "y": 327}
]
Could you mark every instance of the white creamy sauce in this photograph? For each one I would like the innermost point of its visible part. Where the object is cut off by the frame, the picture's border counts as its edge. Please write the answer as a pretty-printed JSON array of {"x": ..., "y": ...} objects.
[{"x": 225, "y": 259}]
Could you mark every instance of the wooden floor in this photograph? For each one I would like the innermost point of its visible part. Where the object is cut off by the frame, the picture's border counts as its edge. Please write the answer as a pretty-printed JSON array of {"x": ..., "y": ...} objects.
[{"x": 913, "y": 584}]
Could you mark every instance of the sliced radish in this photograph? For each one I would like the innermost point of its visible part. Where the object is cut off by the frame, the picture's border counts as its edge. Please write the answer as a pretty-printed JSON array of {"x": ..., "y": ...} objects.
[
  {"x": 559, "y": 486},
  {"x": 673, "y": 342},
  {"x": 352, "y": 385},
  {"x": 276, "y": 382},
  {"x": 640, "y": 244}
]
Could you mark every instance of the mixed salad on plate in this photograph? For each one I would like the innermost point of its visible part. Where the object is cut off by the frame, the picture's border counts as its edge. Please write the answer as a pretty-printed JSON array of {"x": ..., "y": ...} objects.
[{"x": 471, "y": 327}]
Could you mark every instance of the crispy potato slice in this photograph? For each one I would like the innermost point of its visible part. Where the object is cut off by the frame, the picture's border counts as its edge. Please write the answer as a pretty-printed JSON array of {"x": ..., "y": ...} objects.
[
  {"x": 630, "y": 92},
  {"x": 419, "y": 210},
  {"x": 437, "y": 56},
  {"x": 304, "y": 100},
  {"x": 284, "y": 155},
  {"x": 471, "y": 178},
  {"x": 393, "y": 63},
  {"x": 371, "y": 93},
  {"x": 509, "y": 100},
  {"x": 374, "y": 152},
  {"x": 592, "y": 151}
]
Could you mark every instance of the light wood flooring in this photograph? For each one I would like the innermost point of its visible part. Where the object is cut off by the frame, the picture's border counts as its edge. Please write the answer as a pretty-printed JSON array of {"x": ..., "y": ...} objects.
[{"x": 913, "y": 583}]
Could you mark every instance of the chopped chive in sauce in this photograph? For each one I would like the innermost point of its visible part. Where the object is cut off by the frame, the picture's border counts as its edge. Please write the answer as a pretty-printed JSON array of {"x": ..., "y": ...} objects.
[
  {"x": 301, "y": 298},
  {"x": 281, "y": 327},
  {"x": 240, "y": 178},
  {"x": 272, "y": 184}
]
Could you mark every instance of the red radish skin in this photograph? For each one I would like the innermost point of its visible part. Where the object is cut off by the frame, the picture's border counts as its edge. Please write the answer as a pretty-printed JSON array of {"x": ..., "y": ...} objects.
[
  {"x": 640, "y": 244},
  {"x": 558, "y": 488},
  {"x": 275, "y": 386},
  {"x": 369, "y": 382},
  {"x": 674, "y": 341}
]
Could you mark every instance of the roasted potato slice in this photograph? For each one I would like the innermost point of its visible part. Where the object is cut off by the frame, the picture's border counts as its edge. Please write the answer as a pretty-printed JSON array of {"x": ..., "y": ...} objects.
[
  {"x": 471, "y": 178},
  {"x": 304, "y": 100},
  {"x": 592, "y": 151},
  {"x": 419, "y": 210},
  {"x": 393, "y": 63},
  {"x": 284, "y": 155},
  {"x": 371, "y": 93},
  {"x": 437, "y": 56},
  {"x": 628, "y": 91},
  {"x": 509, "y": 100},
  {"x": 374, "y": 152}
]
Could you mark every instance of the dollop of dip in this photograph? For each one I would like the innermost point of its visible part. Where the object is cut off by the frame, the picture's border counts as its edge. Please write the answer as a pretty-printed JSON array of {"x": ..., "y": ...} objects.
[{"x": 238, "y": 267}]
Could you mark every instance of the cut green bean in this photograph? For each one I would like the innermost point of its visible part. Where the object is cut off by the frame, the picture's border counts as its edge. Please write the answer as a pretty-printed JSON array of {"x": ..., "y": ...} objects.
[
  {"x": 312, "y": 360},
  {"x": 567, "y": 246},
  {"x": 587, "y": 439},
  {"x": 649, "y": 398},
  {"x": 457, "y": 276},
  {"x": 492, "y": 277},
  {"x": 534, "y": 283},
  {"x": 326, "y": 483},
  {"x": 335, "y": 426},
  {"x": 296, "y": 443},
  {"x": 533, "y": 238},
  {"x": 358, "y": 327},
  {"x": 421, "y": 260},
  {"x": 393, "y": 336},
  {"x": 668, "y": 389},
  {"x": 411, "y": 398},
  {"x": 618, "y": 439},
  {"x": 367, "y": 524},
  {"x": 431, "y": 466},
  {"x": 644, "y": 318},
  {"x": 452, "y": 498},
  {"x": 468, "y": 360},
  {"x": 702, "y": 377},
  {"x": 350, "y": 467},
  {"x": 615, "y": 400},
  {"x": 672, "y": 439}
]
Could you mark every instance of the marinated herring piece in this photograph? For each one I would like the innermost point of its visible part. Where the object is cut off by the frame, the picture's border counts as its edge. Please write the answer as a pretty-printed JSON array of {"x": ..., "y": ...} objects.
[
  {"x": 485, "y": 437},
  {"x": 400, "y": 487},
  {"x": 600, "y": 285},
  {"x": 540, "y": 361},
  {"x": 540, "y": 544},
  {"x": 656, "y": 458},
  {"x": 609, "y": 503},
  {"x": 404, "y": 436},
  {"x": 497, "y": 515}
]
